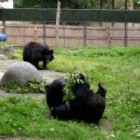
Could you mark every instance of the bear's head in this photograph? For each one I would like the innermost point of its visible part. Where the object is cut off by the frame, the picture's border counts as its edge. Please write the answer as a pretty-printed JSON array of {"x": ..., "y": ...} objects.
[
  {"x": 54, "y": 92},
  {"x": 47, "y": 55}
]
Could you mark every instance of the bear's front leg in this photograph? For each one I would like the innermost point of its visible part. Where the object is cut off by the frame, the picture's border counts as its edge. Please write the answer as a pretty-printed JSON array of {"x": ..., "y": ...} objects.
[
  {"x": 36, "y": 64},
  {"x": 45, "y": 65}
]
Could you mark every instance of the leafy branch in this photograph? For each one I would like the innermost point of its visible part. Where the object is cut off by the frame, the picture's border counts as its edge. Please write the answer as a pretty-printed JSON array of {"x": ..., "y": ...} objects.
[{"x": 73, "y": 78}]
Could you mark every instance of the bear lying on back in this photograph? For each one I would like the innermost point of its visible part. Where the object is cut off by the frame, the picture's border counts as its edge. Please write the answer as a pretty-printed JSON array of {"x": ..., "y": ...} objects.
[
  {"x": 34, "y": 52},
  {"x": 86, "y": 106},
  {"x": 54, "y": 96}
]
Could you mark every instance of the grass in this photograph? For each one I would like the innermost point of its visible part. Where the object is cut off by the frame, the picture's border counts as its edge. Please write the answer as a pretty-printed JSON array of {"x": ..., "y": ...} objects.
[{"x": 118, "y": 68}]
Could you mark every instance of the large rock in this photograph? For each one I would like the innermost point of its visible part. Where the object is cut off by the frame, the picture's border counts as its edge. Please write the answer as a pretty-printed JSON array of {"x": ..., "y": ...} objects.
[{"x": 20, "y": 73}]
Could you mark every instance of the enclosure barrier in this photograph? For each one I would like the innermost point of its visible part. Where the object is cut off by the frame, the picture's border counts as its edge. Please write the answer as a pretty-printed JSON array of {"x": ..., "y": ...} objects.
[
  {"x": 70, "y": 15},
  {"x": 78, "y": 16}
]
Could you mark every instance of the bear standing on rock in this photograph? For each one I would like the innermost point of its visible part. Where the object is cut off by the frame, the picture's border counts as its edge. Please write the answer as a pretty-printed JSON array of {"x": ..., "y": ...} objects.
[
  {"x": 86, "y": 106},
  {"x": 34, "y": 52}
]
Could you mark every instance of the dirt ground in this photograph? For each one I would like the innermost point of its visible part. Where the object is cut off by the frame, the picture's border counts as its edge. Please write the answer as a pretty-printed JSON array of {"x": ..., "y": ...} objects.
[{"x": 47, "y": 75}]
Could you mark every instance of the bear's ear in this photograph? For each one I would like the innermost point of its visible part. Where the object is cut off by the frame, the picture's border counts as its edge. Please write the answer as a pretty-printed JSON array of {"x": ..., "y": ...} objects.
[
  {"x": 47, "y": 87},
  {"x": 51, "y": 51}
]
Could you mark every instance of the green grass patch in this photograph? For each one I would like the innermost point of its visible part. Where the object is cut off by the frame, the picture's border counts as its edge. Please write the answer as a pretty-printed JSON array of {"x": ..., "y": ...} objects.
[
  {"x": 118, "y": 68},
  {"x": 32, "y": 86}
]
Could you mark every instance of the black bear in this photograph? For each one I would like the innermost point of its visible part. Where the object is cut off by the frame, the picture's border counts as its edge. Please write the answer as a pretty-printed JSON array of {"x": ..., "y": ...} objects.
[
  {"x": 86, "y": 106},
  {"x": 54, "y": 96},
  {"x": 34, "y": 52}
]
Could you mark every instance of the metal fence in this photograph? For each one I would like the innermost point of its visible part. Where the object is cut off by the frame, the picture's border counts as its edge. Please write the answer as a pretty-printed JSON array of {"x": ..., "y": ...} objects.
[{"x": 82, "y": 27}]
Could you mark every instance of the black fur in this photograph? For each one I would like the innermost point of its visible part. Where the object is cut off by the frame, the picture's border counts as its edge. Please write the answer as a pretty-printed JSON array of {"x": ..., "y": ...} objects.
[
  {"x": 87, "y": 105},
  {"x": 54, "y": 96},
  {"x": 34, "y": 52}
]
